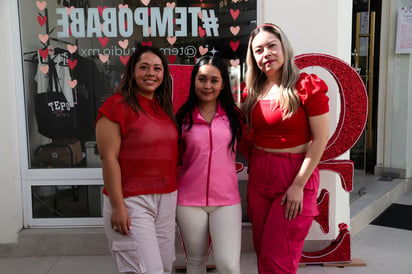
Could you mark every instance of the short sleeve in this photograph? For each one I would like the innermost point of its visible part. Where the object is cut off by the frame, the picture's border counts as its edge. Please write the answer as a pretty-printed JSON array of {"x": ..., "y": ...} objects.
[
  {"x": 115, "y": 110},
  {"x": 312, "y": 93}
]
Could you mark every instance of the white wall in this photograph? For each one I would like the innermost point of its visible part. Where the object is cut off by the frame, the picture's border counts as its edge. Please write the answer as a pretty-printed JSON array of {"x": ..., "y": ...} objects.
[
  {"x": 11, "y": 219},
  {"x": 394, "y": 148},
  {"x": 319, "y": 26}
]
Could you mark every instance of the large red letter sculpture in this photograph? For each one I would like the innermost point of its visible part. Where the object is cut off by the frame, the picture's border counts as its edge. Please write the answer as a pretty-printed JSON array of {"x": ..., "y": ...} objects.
[{"x": 352, "y": 119}]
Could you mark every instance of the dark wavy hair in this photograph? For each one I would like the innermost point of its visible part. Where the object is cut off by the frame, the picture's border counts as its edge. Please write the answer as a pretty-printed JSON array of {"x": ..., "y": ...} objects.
[
  {"x": 225, "y": 99},
  {"x": 128, "y": 86}
]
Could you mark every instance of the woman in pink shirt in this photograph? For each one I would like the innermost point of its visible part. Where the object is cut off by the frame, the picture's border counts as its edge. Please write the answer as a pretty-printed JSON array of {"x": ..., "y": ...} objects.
[
  {"x": 208, "y": 197},
  {"x": 289, "y": 114}
]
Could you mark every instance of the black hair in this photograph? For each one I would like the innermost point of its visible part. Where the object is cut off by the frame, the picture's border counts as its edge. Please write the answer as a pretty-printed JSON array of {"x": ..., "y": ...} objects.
[{"x": 225, "y": 98}]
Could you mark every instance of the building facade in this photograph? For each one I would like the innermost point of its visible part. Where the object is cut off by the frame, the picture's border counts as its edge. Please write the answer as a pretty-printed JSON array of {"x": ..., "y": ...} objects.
[{"x": 36, "y": 190}]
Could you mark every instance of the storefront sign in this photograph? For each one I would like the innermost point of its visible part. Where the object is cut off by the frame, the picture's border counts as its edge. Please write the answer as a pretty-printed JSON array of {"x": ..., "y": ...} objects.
[{"x": 404, "y": 31}]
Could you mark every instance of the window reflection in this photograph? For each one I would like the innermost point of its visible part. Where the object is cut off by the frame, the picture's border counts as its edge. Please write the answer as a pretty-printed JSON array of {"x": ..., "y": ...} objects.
[{"x": 72, "y": 62}]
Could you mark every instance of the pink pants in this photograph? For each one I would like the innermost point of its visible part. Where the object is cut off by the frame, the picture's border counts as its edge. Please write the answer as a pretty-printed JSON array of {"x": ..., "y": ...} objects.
[{"x": 278, "y": 242}]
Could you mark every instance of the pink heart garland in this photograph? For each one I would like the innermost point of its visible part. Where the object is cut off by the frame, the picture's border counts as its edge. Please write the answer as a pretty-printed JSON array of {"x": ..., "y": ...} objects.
[
  {"x": 103, "y": 41},
  {"x": 234, "y": 13},
  {"x": 123, "y": 6},
  {"x": 235, "y": 30},
  {"x": 124, "y": 43},
  {"x": 72, "y": 48},
  {"x": 234, "y": 62},
  {"x": 72, "y": 83},
  {"x": 44, "y": 69},
  {"x": 41, "y": 20},
  {"x": 124, "y": 59},
  {"x": 41, "y": 5},
  {"x": 202, "y": 32},
  {"x": 103, "y": 57},
  {"x": 72, "y": 63},
  {"x": 43, "y": 38},
  {"x": 145, "y": 2},
  {"x": 171, "y": 5},
  {"x": 234, "y": 45},
  {"x": 171, "y": 40},
  {"x": 69, "y": 10},
  {"x": 203, "y": 50}
]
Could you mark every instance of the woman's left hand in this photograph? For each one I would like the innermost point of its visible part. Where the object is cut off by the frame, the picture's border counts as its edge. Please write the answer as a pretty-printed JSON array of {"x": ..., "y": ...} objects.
[{"x": 293, "y": 199}]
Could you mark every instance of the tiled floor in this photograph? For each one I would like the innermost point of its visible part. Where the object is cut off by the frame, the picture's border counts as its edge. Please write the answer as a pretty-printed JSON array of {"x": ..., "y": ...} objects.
[{"x": 384, "y": 250}]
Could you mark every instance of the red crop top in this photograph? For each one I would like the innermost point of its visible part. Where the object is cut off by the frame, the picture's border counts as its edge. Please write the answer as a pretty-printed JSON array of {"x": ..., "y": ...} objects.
[
  {"x": 148, "y": 152},
  {"x": 270, "y": 131}
]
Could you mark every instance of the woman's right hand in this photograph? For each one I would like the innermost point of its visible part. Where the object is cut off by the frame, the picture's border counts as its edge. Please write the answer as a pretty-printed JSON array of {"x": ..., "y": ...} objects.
[{"x": 120, "y": 220}]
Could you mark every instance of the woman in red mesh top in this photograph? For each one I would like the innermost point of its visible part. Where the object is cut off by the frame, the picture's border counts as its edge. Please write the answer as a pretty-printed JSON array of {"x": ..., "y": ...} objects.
[
  {"x": 287, "y": 111},
  {"x": 137, "y": 136}
]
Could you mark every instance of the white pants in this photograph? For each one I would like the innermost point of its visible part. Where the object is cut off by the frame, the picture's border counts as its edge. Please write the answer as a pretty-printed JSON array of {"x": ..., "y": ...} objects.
[
  {"x": 223, "y": 224},
  {"x": 150, "y": 246}
]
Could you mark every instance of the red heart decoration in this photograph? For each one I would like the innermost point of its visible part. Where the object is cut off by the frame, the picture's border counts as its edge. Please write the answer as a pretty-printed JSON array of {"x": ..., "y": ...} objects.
[
  {"x": 172, "y": 58},
  {"x": 234, "y": 13},
  {"x": 100, "y": 9},
  {"x": 202, "y": 32},
  {"x": 72, "y": 63},
  {"x": 44, "y": 53},
  {"x": 147, "y": 43},
  {"x": 124, "y": 59},
  {"x": 41, "y": 20},
  {"x": 234, "y": 45},
  {"x": 103, "y": 41}
]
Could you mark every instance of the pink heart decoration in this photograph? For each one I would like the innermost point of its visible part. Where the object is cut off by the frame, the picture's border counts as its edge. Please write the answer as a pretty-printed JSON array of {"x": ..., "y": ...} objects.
[
  {"x": 100, "y": 9},
  {"x": 103, "y": 57},
  {"x": 171, "y": 40},
  {"x": 43, "y": 38},
  {"x": 123, "y": 6},
  {"x": 103, "y": 41},
  {"x": 72, "y": 83},
  {"x": 124, "y": 43},
  {"x": 51, "y": 50},
  {"x": 234, "y": 62},
  {"x": 171, "y": 5},
  {"x": 234, "y": 45},
  {"x": 69, "y": 10},
  {"x": 234, "y": 13},
  {"x": 200, "y": 15},
  {"x": 41, "y": 20},
  {"x": 235, "y": 1},
  {"x": 149, "y": 43},
  {"x": 44, "y": 69},
  {"x": 202, "y": 32},
  {"x": 72, "y": 63},
  {"x": 124, "y": 59},
  {"x": 44, "y": 53},
  {"x": 235, "y": 30},
  {"x": 72, "y": 48},
  {"x": 203, "y": 50},
  {"x": 41, "y": 5},
  {"x": 172, "y": 58},
  {"x": 145, "y": 2}
]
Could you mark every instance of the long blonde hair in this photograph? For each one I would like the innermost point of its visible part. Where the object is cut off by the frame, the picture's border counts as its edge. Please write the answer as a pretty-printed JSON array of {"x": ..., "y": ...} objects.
[{"x": 255, "y": 79}]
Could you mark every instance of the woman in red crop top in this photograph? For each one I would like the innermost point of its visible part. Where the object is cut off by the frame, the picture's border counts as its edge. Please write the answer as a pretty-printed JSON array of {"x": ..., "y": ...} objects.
[
  {"x": 287, "y": 111},
  {"x": 137, "y": 137}
]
